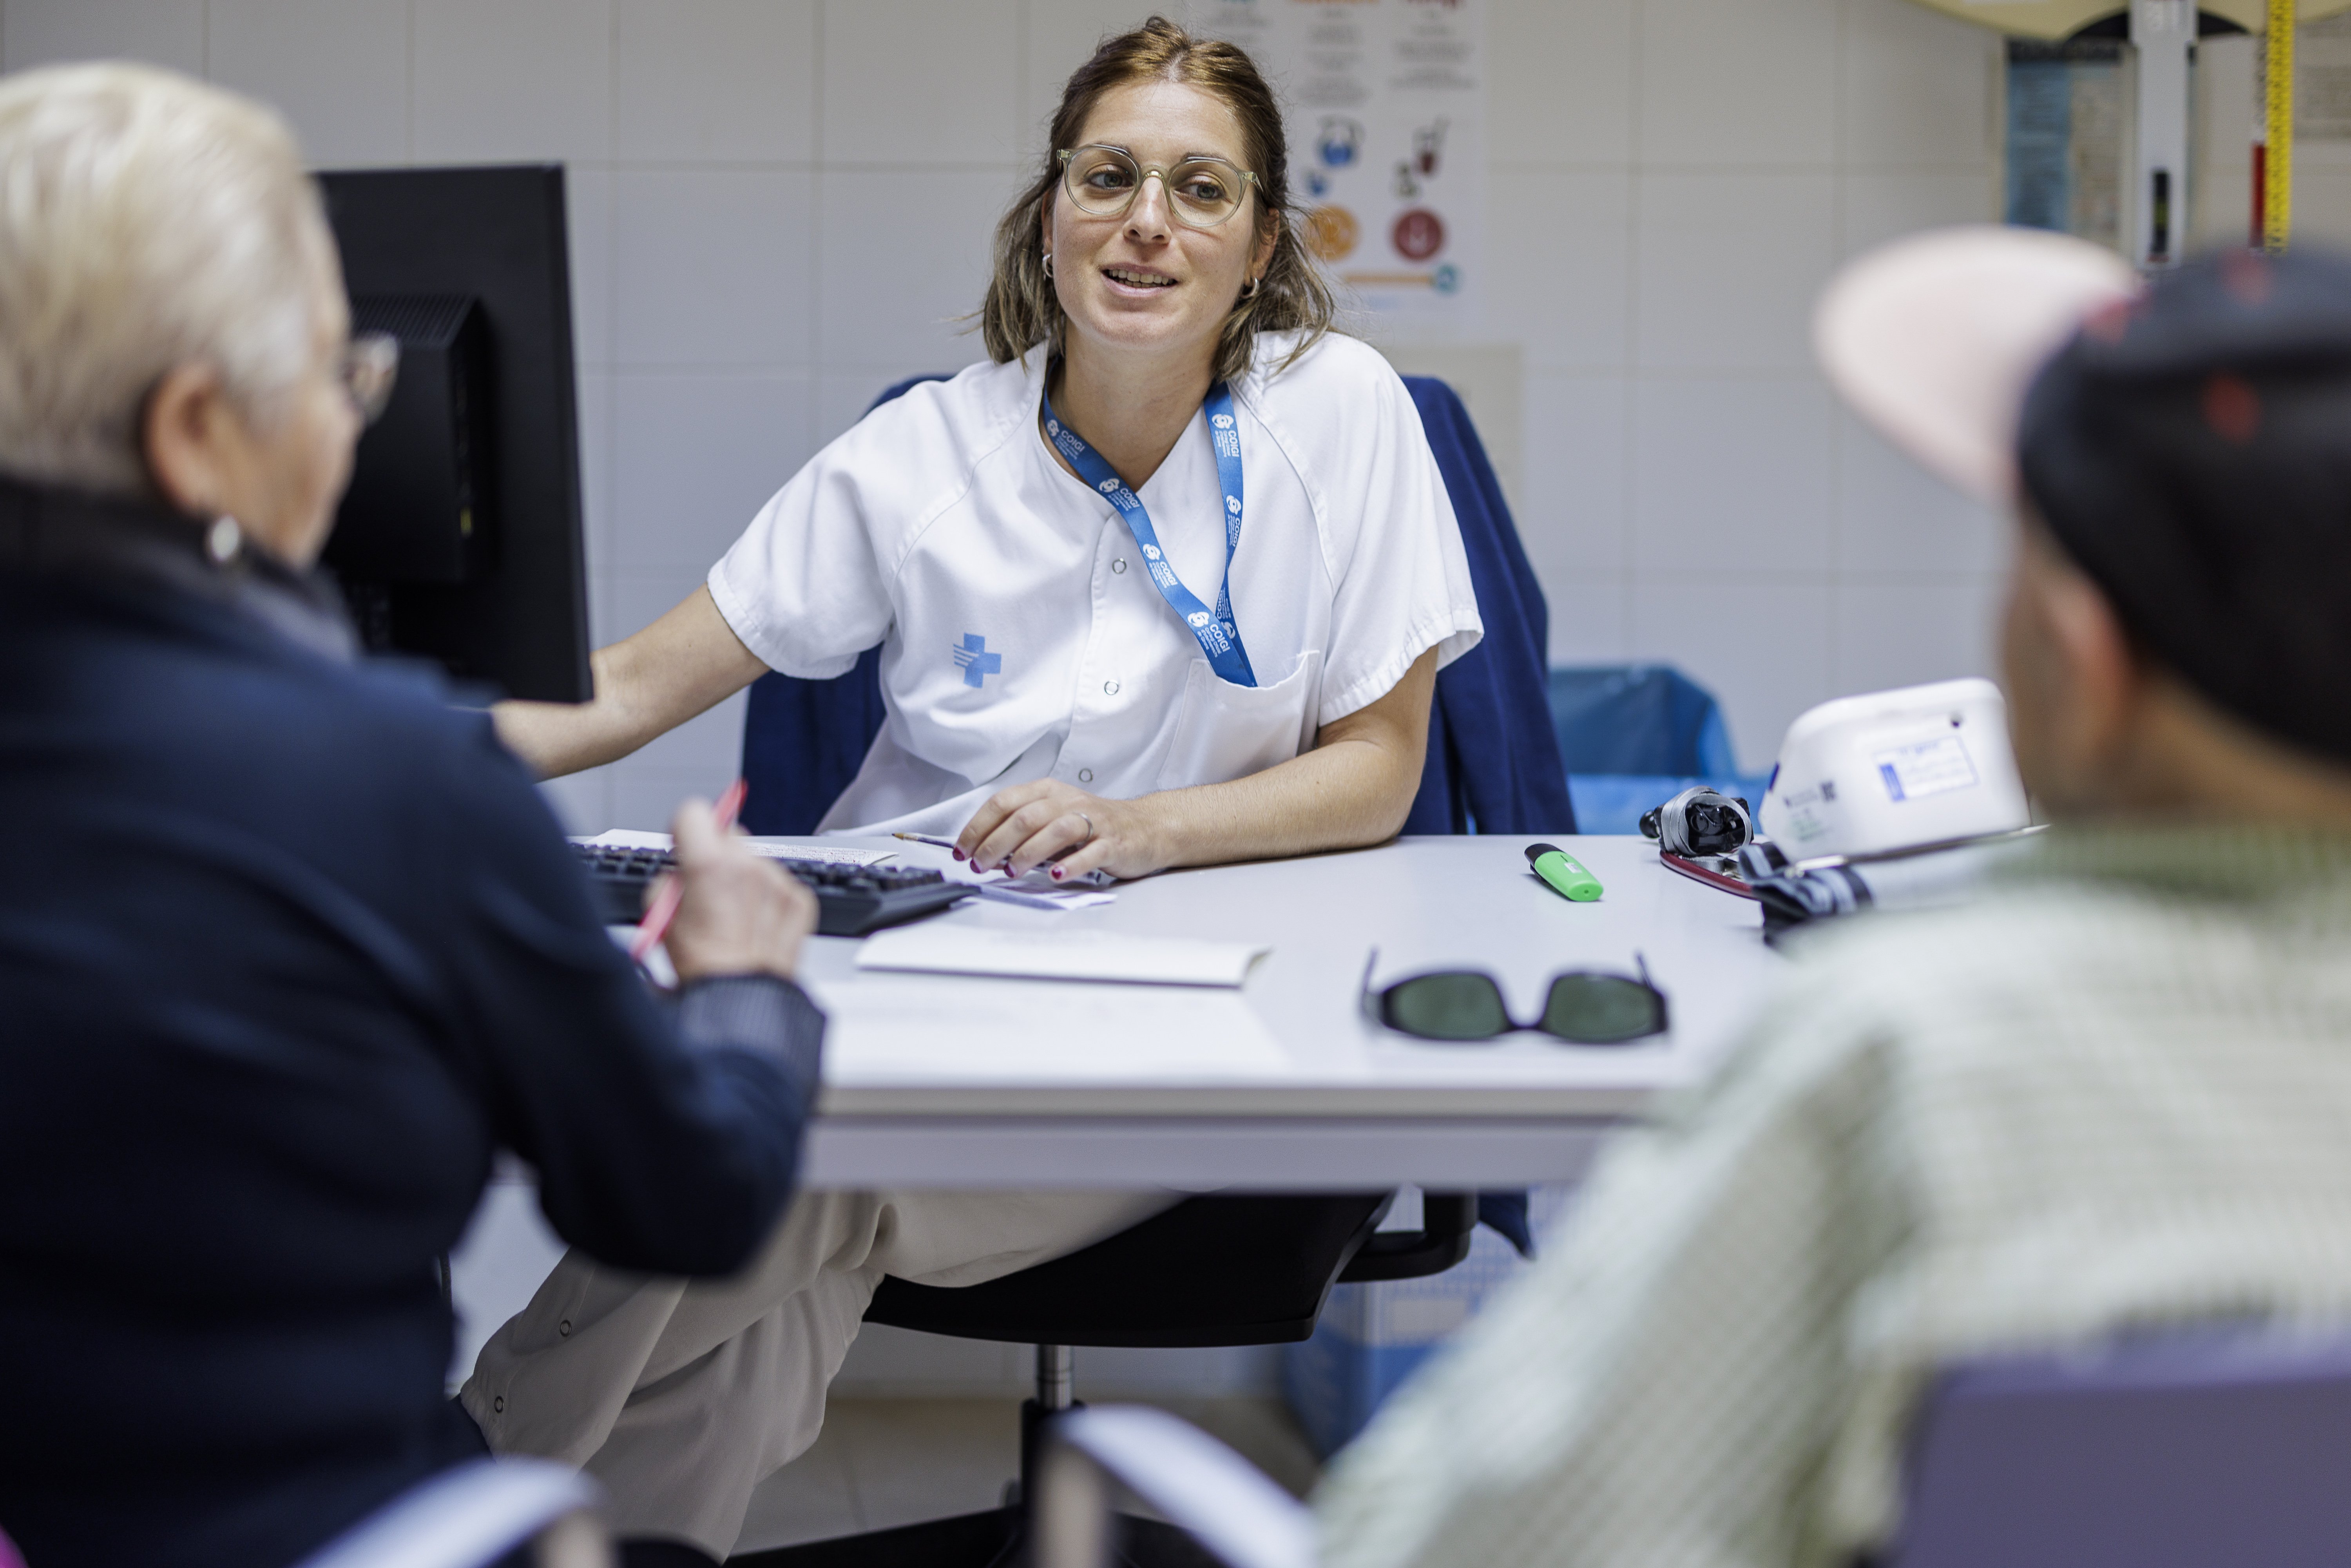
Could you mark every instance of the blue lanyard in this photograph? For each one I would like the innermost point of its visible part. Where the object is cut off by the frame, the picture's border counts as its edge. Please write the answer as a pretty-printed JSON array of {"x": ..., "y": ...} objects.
[{"x": 1220, "y": 637}]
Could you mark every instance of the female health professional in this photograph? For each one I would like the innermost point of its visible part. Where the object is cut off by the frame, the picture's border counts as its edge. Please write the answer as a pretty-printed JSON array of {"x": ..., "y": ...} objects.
[{"x": 1167, "y": 582}]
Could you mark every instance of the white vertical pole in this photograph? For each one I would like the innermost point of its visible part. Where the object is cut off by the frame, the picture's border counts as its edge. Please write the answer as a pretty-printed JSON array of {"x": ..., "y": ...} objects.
[{"x": 2162, "y": 32}]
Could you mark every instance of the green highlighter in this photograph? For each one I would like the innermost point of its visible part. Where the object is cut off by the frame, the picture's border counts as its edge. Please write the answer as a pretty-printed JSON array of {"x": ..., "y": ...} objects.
[{"x": 1567, "y": 878}]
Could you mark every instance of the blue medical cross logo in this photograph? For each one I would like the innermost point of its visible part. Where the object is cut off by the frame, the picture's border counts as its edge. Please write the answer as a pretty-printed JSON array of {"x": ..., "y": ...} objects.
[{"x": 975, "y": 662}]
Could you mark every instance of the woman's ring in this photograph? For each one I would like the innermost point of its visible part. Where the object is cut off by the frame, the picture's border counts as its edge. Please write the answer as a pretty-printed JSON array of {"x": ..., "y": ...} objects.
[{"x": 1089, "y": 821}]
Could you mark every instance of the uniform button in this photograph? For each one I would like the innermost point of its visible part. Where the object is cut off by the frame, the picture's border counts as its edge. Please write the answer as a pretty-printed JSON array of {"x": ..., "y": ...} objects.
[
  {"x": 499, "y": 1404},
  {"x": 564, "y": 1328},
  {"x": 1109, "y": 688},
  {"x": 1119, "y": 565},
  {"x": 1085, "y": 775}
]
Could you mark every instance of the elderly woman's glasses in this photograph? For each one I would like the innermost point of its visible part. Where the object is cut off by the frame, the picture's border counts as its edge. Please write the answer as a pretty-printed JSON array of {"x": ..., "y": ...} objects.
[
  {"x": 1202, "y": 192},
  {"x": 1461, "y": 1006},
  {"x": 371, "y": 364}
]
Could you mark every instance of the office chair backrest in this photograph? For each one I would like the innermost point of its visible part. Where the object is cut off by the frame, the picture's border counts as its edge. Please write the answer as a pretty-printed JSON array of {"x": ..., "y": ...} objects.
[
  {"x": 2182, "y": 1450},
  {"x": 1490, "y": 757}
]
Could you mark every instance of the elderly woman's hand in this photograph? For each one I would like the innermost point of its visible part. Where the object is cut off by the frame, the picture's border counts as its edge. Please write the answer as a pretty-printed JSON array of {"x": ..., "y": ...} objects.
[
  {"x": 1029, "y": 825},
  {"x": 740, "y": 913}
]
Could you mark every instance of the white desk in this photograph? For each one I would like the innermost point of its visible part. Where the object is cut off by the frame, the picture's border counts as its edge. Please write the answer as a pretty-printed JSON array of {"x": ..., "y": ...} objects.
[{"x": 1349, "y": 1105}]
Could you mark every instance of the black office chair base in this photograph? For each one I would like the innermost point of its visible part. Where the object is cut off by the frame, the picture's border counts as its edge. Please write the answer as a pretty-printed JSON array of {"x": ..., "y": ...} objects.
[{"x": 997, "y": 1539}]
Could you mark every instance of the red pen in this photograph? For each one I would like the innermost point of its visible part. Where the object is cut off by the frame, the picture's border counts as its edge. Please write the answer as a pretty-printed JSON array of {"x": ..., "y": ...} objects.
[{"x": 655, "y": 924}]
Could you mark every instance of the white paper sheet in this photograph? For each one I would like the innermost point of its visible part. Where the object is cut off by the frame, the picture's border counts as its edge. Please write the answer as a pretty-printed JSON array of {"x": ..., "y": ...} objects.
[
  {"x": 1061, "y": 955},
  {"x": 931, "y": 1030},
  {"x": 631, "y": 839}
]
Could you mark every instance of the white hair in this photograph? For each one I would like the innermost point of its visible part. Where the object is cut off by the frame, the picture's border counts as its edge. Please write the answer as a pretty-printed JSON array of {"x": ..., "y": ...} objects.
[{"x": 146, "y": 220}]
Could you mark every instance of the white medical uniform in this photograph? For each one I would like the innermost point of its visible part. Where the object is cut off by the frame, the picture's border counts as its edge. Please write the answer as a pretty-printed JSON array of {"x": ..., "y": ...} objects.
[
  {"x": 942, "y": 524},
  {"x": 1022, "y": 639}
]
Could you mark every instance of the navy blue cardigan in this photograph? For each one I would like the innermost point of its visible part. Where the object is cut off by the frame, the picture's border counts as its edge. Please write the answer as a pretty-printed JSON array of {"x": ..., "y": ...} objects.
[{"x": 287, "y": 947}]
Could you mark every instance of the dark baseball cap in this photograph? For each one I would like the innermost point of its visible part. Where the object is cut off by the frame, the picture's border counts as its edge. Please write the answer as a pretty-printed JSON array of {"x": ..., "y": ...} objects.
[{"x": 2186, "y": 441}]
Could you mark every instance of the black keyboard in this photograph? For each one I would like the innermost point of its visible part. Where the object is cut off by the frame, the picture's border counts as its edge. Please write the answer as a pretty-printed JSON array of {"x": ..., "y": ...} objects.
[{"x": 851, "y": 900}]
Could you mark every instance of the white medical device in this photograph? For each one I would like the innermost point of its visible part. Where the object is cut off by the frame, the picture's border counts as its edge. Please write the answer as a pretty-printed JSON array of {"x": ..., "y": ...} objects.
[{"x": 1896, "y": 770}]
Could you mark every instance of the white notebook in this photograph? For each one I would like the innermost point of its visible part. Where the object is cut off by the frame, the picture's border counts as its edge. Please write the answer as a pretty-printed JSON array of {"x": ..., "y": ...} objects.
[{"x": 955, "y": 949}]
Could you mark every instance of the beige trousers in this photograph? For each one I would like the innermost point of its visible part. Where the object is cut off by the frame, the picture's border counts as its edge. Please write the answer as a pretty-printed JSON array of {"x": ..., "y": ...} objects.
[{"x": 681, "y": 1397}]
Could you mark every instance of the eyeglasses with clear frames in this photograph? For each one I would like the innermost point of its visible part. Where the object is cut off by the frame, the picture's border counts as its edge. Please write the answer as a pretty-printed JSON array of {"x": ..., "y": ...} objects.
[
  {"x": 369, "y": 367},
  {"x": 1202, "y": 192}
]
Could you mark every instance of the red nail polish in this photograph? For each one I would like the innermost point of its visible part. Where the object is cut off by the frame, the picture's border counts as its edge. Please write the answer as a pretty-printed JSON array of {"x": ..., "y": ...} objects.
[
  {"x": 958, "y": 854},
  {"x": 1057, "y": 874}
]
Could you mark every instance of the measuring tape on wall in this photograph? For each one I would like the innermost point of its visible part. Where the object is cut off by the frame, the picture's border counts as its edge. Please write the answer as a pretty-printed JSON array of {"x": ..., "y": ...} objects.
[{"x": 2274, "y": 165}]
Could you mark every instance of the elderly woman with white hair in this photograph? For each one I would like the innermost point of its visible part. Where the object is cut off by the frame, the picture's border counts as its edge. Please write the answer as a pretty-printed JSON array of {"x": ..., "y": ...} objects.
[{"x": 288, "y": 947}]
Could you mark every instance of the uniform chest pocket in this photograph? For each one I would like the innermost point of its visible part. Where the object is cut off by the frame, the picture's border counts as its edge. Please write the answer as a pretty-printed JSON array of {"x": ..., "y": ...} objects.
[{"x": 1225, "y": 732}]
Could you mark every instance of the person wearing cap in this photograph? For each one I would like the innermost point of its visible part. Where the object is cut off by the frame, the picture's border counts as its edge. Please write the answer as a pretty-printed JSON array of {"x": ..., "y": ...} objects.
[{"x": 2111, "y": 1092}]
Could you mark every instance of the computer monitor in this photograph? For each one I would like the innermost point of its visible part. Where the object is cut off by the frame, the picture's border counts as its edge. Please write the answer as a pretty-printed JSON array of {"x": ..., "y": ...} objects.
[{"x": 459, "y": 538}]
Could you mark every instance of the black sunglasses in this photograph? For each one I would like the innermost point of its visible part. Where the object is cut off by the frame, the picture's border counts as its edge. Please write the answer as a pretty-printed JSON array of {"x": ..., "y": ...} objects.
[{"x": 1584, "y": 1007}]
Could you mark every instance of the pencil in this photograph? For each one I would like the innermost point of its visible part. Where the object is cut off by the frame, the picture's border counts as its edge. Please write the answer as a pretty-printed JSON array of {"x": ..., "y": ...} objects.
[{"x": 655, "y": 924}]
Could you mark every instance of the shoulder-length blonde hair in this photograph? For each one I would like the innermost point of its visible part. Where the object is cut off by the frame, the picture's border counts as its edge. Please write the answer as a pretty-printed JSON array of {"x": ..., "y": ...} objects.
[{"x": 1022, "y": 309}]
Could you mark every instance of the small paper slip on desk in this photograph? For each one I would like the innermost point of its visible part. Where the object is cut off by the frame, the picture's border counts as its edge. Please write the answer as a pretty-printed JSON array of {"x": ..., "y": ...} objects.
[{"x": 1084, "y": 955}]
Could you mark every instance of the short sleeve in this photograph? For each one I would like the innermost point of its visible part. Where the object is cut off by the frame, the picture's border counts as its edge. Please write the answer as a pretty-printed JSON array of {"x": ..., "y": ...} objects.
[
  {"x": 803, "y": 588},
  {"x": 1400, "y": 577}
]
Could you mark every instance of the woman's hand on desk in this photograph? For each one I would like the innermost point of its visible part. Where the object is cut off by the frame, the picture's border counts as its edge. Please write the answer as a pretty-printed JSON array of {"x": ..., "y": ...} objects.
[
  {"x": 1027, "y": 825},
  {"x": 739, "y": 913}
]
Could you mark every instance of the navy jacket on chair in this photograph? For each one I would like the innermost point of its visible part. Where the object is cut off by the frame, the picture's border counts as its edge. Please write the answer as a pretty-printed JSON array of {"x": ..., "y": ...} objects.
[{"x": 1493, "y": 763}]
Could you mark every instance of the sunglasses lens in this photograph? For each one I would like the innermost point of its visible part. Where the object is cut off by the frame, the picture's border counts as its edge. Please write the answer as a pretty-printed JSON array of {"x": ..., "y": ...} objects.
[
  {"x": 1447, "y": 1006},
  {"x": 1602, "y": 1009}
]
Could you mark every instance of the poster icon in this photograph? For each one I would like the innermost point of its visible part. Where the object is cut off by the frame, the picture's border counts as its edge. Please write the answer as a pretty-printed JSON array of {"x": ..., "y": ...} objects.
[
  {"x": 1318, "y": 183},
  {"x": 1333, "y": 232},
  {"x": 1419, "y": 234},
  {"x": 1446, "y": 279},
  {"x": 1336, "y": 142},
  {"x": 1406, "y": 186},
  {"x": 1428, "y": 147}
]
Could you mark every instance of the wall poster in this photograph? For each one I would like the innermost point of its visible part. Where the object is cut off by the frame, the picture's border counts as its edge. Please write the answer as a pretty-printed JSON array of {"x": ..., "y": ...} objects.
[{"x": 1386, "y": 101}]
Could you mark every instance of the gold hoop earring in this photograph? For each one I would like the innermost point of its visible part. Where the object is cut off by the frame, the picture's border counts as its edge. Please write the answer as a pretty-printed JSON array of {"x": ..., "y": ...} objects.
[
  {"x": 1048, "y": 264},
  {"x": 1255, "y": 283}
]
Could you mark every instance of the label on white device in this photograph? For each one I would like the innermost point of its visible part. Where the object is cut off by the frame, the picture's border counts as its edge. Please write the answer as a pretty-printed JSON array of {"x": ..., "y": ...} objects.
[{"x": 1925, "y": 768}]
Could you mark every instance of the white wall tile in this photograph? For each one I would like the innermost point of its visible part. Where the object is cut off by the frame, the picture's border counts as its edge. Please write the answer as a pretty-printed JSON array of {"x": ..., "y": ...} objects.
[
  {"x": 1730, "y": 474},
  {"x": 715, "y": 81},
  {"x": 1570, "y": 512},
  {"x": 502, "y": 81},
  {"x": 1895, "y": 517},
  {"x": 843, "y": 396},
  {"x": 596, "y": 500},
  {"x": 336, "y": 68},
  {"x": 694, "y": 456},
  {"x": 1759, "y": 645},
  {"x": 913, "y": 83},
  {"x": 161, "y": 32},
  {"x": 902, "y": 255},
  {"x": 1893, "y": 635},
  {"x": 711, "y": 266},
  {"x": 1919, "y": 87},
  {"x": 1062, "y": 34},
  {"x": 1590, "y": 618},
  {"x": 1738, "y": 82},
  {"x": 1560, "y": 251},
  {"x": 1876, "y": 207},
  {"x": 1557, "y": 86},
  {"x": 1726, "y": 268},
  {"x": 588, "y": 214}
]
